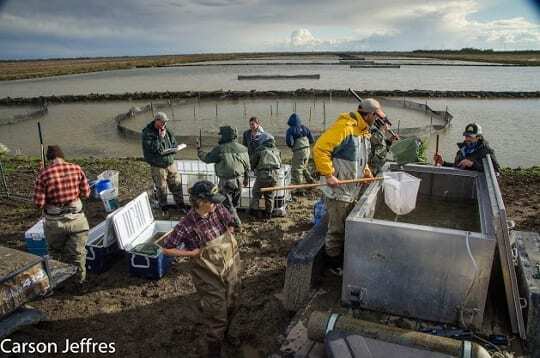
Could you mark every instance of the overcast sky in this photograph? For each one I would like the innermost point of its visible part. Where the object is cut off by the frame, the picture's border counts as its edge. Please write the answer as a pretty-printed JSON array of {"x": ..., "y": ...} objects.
[{"x": 73, "y": 28}]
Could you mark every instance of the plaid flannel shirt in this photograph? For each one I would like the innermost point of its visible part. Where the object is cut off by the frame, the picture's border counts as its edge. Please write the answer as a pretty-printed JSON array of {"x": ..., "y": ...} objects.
[
  {"x": 60, "y": 183},
  {"x": 194, "y": 231}
]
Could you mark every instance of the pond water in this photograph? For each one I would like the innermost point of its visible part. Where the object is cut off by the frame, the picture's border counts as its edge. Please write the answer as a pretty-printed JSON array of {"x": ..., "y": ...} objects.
[
  {"x": 332, "y": 77},
  {"x": 88, "y": 129}
]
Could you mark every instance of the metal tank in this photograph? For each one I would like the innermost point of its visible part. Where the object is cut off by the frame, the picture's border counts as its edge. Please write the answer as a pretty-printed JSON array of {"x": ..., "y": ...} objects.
[{"x": 433, "y": 264}]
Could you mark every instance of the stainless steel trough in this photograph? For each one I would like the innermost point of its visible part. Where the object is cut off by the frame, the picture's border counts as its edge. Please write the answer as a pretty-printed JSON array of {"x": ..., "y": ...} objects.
[{"x": 433, "y": 264}]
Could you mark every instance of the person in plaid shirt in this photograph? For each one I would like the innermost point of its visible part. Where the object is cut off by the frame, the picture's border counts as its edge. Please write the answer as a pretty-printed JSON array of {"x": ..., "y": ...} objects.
[
  {"x": 205, "y": 235},
  {"x": 57, "y": 191}
]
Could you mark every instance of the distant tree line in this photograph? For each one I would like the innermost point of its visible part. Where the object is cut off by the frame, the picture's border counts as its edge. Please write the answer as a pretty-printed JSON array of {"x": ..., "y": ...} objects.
[{"x": 472, "y": 50}]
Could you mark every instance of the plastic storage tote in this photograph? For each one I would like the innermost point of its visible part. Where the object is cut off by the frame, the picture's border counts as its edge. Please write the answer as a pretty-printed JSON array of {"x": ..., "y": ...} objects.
[{"x": 102, "y": 247}]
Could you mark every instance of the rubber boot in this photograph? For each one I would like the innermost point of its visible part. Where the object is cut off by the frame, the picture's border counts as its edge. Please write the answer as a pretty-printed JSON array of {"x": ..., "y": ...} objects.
[{"x": 214, "y": 350}]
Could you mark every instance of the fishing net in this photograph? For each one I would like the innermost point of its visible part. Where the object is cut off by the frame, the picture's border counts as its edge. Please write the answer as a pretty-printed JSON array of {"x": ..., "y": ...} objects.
[{"x": 400, "y": 192}]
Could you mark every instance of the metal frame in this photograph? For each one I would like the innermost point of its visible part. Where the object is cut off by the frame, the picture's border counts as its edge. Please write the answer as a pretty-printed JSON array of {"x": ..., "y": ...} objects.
[{"x": 506, "y": 257}]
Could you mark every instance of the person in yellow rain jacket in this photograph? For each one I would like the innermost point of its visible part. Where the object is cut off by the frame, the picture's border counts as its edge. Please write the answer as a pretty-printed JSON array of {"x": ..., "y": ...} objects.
[{"x": 342, "y": 152}]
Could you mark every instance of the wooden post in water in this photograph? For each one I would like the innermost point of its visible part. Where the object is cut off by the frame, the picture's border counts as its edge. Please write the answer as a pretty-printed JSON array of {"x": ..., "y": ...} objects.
[
  {"x": 294, "y": 107},
  {"x": 324, "y": 115},
  {"x": 398, "y": 123},
  {"x": 245, "y": 111},
  {"x": 271, "y": 112},
  {"x": 172, "y": 109},
  {"x": 216, "y": 112},
  {"x": 309, "y": 120},
  {"x": 277, "y": 107},
  {"x": 152, "y": 109}
]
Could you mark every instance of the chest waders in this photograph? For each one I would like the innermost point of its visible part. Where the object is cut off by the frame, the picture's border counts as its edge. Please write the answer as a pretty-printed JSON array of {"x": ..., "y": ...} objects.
[{"x": 216, "y": 276}]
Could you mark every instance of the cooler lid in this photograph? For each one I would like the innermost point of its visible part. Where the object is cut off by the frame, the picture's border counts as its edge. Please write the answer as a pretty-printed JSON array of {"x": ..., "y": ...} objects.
[
  {"x": 131, "y": 220},
  {"x": 109, "y": 238},
  {"x": 37, "y": 230}
]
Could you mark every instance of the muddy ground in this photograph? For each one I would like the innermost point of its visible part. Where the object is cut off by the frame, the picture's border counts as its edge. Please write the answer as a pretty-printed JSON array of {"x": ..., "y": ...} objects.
[{"x": 159, "y": 318}]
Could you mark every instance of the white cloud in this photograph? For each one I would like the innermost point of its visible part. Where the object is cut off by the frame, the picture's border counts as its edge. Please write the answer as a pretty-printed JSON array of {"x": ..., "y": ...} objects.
[
  {"x": 438, "y": 24},
  {"x": 303, "y": 37}
]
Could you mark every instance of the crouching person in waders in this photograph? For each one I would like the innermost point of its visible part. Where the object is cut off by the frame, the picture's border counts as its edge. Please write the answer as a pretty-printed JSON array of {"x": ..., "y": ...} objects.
[
  {"x": 232, "y": 163},
  {"x": 205, "y": 235},
  {"x": 58, "y": 190}
]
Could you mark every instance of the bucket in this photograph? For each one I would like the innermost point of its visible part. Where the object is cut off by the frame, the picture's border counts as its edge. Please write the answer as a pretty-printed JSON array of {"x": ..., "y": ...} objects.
[
  {"x": 110, "y": 199},
  {"x": 102, "y": 185},
  {"x": 111, "y": 175}
]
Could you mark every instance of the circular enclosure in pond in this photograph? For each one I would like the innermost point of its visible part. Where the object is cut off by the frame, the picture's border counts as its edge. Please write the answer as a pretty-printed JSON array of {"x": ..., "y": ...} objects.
[{"x": 189, "y": 117}]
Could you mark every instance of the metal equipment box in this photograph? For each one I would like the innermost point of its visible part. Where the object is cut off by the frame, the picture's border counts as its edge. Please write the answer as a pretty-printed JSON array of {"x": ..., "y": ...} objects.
[
  {"x": 527, "y": 246},
  {"x": 134, "y": 224},
  {"x": 432, "y": 264}
]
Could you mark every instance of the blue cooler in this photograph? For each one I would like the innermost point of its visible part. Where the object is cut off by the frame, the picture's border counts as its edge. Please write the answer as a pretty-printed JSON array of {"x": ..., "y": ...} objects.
[
  {"x": 134, "y": 224},
  {"x": 36, "y": 243},
  {"x": 102, "y": 247}
]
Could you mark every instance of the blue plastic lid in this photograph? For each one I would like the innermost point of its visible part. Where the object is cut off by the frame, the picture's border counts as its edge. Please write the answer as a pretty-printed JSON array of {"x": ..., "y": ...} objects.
[{"x": 103, "y": 184}]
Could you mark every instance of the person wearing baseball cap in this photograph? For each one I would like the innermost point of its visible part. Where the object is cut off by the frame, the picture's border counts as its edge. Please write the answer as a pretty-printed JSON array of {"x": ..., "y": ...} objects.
[
  {"x": 471, "y": 151},
  {"x": 342, "y": 152},
  {"x": 206, "y": 236},
  {"x": 159, "y": 149}
]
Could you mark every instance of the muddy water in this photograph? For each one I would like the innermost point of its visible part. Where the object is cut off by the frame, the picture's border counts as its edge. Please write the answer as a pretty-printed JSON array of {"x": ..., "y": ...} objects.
[
  {"x": 459, "y": 215},
  {"x": 87, "y": 129},
  {"x": 316, "y": 113},
  {"x": 226, "y": 77}
]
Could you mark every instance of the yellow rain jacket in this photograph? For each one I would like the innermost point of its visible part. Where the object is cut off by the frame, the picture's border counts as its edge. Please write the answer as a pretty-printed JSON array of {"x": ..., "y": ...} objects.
[{"x": 343, "y": 151}]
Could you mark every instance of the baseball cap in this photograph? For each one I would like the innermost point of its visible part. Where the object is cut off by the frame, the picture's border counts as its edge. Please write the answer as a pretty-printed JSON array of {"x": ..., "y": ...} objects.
[
  {"x": 472, "y": 129},
  {"x": 207, "y": 191},
  {"x": 161, "y": 116},
  {"x": 370, "y": 105}
]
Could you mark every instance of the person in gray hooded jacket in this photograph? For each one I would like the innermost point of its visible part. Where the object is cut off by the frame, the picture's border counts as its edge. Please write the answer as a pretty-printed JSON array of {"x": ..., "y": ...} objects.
[
  {"x": 231, "y": 162},
  {"x": 299, "y": 139}
]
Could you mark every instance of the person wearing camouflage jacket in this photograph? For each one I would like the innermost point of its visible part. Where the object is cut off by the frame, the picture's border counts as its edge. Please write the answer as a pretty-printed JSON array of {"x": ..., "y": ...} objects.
[
  {"x": 231, "y": 162},
  {"x": 380, "y": 144},
  {"x": 266, "y": 161},
  {"x": 159, "y": 149}
]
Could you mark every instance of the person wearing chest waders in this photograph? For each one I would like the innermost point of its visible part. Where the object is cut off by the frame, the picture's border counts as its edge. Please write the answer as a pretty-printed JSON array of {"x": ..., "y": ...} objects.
[
  {"x": 206, "y": 236},
  {"x": 231, "y": 162},
  {"x": 266, "y": 162},
  {"x": 380, "y": 144},
  {"x": 342, "y": 152},
  {"x": 299, "y": 139},
  {"x": 250, "y": 135},
  {"x": 471, "y": 151},
  {"x": 159, "y": 149},
  {"x": 57, "y": 191}
]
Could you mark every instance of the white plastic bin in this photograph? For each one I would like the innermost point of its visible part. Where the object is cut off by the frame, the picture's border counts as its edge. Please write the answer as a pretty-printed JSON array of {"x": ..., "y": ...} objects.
[
  {"x": 192, "y": 171},
  {"x": 110, "y": 199},
  {"x": 111, "y": 175}
]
